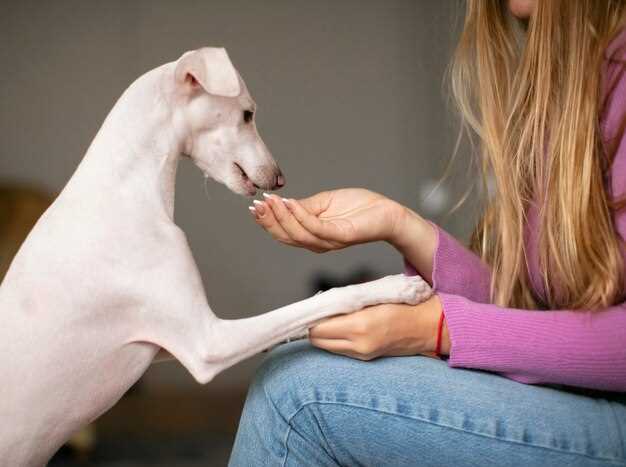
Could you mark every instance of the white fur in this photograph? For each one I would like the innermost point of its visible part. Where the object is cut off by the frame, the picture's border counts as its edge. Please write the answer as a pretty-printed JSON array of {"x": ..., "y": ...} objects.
[{"x": 106, "y": 278}]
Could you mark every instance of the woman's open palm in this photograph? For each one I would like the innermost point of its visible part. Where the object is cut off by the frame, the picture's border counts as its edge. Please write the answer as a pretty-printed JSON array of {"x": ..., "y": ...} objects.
[{"x": 329, "y": 220}]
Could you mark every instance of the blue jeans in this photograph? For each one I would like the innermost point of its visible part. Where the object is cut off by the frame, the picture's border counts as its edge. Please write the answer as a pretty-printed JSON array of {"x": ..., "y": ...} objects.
[{"x": 308, "y": 407}]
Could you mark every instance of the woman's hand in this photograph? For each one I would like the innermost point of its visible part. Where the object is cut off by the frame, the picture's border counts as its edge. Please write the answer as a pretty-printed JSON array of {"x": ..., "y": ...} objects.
[
  {"x": 330, "y": 220},
  {"x": 383, "y": 330}
]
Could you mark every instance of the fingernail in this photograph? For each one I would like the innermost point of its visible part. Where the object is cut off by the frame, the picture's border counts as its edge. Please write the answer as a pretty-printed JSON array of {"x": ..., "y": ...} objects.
[
  {"x": 257, "y": 202},
  {"x": 252, "y": 210},
  {"x": 285, "y": 200},
  {"x": 268, "y": 196},
  {"x": 260, "y": 207}
]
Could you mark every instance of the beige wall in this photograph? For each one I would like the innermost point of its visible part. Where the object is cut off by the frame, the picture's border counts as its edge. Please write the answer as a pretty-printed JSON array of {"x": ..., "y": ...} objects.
[{"x": 349, "y": 94}]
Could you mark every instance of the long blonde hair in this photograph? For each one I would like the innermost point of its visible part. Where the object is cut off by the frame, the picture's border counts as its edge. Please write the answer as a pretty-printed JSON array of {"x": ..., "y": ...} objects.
[{"x": 530, "y": 93}]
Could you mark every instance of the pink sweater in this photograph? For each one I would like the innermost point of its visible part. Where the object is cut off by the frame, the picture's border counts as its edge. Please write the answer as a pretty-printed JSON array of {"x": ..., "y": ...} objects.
[{"x": 575, "y": 348}]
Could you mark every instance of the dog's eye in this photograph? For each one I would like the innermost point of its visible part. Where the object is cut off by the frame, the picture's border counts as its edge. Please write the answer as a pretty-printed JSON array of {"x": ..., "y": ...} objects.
[{"x": 247, "y": 116}]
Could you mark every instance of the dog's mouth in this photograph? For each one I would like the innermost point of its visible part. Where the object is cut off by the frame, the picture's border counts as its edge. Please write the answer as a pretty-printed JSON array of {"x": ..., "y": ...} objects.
[{"x": 249, "y": 185}]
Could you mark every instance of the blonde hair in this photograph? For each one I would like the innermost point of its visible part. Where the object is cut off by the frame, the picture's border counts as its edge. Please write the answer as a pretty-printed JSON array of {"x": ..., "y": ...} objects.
[{"x": 530, "y": 93}]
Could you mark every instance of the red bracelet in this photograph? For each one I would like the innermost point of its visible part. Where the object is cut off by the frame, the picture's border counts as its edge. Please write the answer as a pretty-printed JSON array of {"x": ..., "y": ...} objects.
[{"x": 439, "y": 333}]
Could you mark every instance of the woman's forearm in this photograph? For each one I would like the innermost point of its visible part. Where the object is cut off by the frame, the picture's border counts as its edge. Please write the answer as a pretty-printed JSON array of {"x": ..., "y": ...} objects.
[
  {"x": 416, "y": 239},
  {"x": 440, "y": 259}
]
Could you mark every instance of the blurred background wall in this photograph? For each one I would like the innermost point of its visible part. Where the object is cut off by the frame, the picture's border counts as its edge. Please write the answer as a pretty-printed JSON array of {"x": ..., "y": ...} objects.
[{"x": 349, "y": 92}]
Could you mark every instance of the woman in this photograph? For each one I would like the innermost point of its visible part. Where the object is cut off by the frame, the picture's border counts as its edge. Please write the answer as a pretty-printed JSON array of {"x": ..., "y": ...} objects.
[{"x": 549, "y": 115}]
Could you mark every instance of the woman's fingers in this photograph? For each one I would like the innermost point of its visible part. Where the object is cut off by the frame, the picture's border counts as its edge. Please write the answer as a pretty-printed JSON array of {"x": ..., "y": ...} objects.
[
  {"x": 335, "y": 327},
  {"x": 293, "y": 228},
  {"x": 317, "y": 203},
  {"x": 311, "y": 222},
  {"x": 264, "y": 216},
  {"x": 290, "y": 222},
  {"x": 267, "y": 213},
  {"x": 342, "y": 346}
]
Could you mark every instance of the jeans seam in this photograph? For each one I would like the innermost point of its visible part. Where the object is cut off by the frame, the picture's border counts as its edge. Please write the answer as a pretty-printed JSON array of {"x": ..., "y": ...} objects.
[
  {"x": 286, "y": 441},
  {"x": 443, "y": 425},
  {"x": 618, "y": 426},
  {"x": 290, "y": 429}
]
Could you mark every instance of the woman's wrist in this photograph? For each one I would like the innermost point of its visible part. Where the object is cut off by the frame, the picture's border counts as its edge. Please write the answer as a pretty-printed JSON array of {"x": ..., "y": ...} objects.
[
  {"x": 406, "y": 225},
  {"x": 415, "y": 329},
  {"x": 428, "y": 318},
  {"x": 416, "y": 239}
]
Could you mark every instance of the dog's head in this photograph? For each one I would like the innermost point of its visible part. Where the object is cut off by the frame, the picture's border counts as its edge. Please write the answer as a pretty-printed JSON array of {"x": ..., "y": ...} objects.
[{"x": 217, "y": 117}]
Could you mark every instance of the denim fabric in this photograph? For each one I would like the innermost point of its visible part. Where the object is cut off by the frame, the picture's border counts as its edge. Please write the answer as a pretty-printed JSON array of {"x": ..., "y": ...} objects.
[{"x": 307, "y": 407}]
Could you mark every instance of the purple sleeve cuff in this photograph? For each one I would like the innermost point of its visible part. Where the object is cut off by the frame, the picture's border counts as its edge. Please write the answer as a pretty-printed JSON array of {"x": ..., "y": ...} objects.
[{"x": 574, "y": 348}]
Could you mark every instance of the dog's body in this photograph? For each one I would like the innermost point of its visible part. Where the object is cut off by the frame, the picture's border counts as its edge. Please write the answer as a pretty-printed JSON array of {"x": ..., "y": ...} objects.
[{"x": 106, "y": 279}]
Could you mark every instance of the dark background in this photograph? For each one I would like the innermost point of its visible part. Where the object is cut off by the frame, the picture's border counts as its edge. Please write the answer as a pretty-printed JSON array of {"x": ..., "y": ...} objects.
[{"x": 350, "y": 93}]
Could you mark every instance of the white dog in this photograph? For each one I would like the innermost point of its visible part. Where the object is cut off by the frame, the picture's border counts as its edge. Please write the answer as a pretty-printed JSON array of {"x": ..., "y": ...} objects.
[{"x": 106, "y": 279}]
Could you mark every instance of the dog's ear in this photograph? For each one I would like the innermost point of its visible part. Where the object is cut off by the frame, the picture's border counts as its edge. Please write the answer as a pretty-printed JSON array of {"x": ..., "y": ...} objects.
[{"x": 209, "y": 68}]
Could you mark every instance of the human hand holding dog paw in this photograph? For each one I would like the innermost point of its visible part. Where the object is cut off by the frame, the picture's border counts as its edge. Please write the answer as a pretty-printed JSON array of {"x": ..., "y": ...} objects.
[
  {"x": 383, "y": 330},
  {"x": 329, "y": 220}
]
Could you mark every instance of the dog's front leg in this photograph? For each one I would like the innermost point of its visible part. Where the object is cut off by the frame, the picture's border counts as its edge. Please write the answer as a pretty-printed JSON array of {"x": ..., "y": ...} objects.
[{"x": 234, "y": 340}]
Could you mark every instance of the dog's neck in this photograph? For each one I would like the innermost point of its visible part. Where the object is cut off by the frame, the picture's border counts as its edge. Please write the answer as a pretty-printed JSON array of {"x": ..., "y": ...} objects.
[{"x": 138, "y": 147}]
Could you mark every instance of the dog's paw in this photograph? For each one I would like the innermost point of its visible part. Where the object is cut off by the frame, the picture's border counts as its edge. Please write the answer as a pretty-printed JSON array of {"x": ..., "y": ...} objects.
[
  {"x": 417, "y": 290},
  {"x": 401, "y": 289}
]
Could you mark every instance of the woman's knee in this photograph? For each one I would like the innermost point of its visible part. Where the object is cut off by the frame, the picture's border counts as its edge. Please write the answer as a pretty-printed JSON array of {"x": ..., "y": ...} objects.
[
  {"x": 285, "y": 383},
  {"x": 290, "y": 366},
  {"x": 289, "y": 374},
  {"x": 296, "y": 374}
]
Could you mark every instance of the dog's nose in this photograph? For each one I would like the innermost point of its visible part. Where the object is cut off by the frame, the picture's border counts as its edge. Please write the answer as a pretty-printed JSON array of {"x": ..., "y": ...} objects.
[{"x": 280, "y": 180}]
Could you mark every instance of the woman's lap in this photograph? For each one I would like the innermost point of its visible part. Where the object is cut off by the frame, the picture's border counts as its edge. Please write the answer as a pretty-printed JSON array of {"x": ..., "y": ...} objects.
[{"x": 310, "y": 407}]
